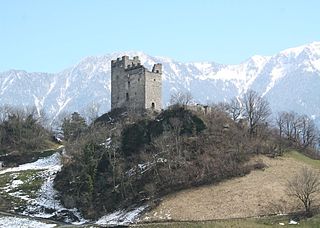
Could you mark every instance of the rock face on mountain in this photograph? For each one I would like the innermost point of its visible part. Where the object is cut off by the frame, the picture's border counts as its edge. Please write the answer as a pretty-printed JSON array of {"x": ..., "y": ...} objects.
[{"x": 290, "y": 80}]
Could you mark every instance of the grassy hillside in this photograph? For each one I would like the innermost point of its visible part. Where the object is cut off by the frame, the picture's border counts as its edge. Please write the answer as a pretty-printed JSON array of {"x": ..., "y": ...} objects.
[
  {"x": 304, "y": 159},
  {"x": 262, "y": 192},
  {"x": 272, "y": 221}
]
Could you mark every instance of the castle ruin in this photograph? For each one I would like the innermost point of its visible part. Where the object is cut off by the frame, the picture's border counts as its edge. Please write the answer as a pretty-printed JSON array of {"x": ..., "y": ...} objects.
[{"x": 135, "y": 87}]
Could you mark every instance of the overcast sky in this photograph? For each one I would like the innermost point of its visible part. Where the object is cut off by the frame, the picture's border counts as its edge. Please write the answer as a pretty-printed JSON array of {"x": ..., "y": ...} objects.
[{"x": 48, "y": 36}]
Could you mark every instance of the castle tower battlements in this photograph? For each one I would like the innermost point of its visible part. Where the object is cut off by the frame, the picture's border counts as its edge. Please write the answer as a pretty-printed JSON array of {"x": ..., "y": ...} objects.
[{"x": 135, "y": 87}]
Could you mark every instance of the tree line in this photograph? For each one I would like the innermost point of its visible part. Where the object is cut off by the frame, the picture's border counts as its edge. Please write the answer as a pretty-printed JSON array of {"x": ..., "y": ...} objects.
[
  {"x": 294, "y": 130},
  {"x": 22, "y": 130}
]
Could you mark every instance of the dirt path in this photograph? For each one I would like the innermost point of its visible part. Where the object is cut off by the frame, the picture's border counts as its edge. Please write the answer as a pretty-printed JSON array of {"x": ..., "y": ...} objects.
[{"x": 259, "y": 193}]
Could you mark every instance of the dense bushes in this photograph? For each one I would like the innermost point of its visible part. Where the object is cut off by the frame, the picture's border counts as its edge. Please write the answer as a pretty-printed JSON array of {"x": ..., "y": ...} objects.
[
  {"x": 86, "y": 181},
  {"x": 134, "y": 137},
  {"x": 124, "y": 159},
  {"x": 118, "y": 163},
  {"x": 22, "y": 131},
  {"x": 142, "y": 132}
]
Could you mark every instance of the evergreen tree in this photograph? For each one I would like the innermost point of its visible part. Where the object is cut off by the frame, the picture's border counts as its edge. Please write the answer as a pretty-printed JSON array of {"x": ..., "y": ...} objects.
[{"x": 74, "y": 126}]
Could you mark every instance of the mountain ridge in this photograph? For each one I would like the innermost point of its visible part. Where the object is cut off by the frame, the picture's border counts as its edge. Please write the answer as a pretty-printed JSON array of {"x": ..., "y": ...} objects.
[{"x": 288, "y": 79}]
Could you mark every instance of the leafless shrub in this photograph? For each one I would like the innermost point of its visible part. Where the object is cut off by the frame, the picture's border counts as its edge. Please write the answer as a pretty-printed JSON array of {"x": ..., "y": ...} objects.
[
  {"x": 181, "y": 98},
  {"x": 305, "y": 186},
  {"x": 256, "y": 110}
]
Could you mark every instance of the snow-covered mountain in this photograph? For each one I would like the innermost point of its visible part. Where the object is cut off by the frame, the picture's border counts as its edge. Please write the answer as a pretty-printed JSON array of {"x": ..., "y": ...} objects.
[{"x": 290, "y": 80}]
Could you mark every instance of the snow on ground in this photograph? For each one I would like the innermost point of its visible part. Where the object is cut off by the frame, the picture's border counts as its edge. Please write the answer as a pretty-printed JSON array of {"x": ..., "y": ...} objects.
[
  {"x": 47, "y": 199},
  {"x": 46, "y": 204},
  {"x": 16, "y": 183},
  {"x": 121, "y": 217},
  {"x": 292, "y": 222},
  {"x": 106, "y": 143},
  {"x": 51, "y": 163},
  {"x": 14, "y": 222}
]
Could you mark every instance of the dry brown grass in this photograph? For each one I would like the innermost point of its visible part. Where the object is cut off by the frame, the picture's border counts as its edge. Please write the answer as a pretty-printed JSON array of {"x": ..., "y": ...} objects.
[{"x": 261, "y": 192}]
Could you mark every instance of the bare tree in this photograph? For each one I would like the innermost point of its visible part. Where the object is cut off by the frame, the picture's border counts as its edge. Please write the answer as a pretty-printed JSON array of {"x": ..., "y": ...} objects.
[
  {"x": 181, "y": 98},
  {"x": 176, "y": 126},
  {"x": 308, "y": 132},
  {"x": 234, "y": 109},
  {"x": 280, "y": 124},
  {"x": 304, "y": 186},
  {"x": 5, "y": 112},
  {"x": 165, "y": 149},
  {"x": 256, "y": 109},
  {"x": 299, "y": 129},
  {"x": 91, "y": 112},
  {"x": 280, "y": 121},
  {"x": 289, "y": 120}
]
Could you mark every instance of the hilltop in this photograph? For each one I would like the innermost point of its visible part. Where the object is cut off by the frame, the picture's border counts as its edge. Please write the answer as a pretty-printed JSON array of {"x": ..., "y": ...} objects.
[{"x": 125, "y": 164}]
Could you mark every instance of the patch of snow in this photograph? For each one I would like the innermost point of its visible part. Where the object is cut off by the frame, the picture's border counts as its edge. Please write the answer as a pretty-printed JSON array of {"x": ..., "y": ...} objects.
[
  {"x": 47, "y": 199},
  {"x": 38, "y": 102},
  {"x": 47, "y": 195},
  {"x": 277, "y": 73},
  {"x": 14, "y": 222},
  {"x": 107, "y": 143},
  {"x": 161, "y": 160},
  {"x": 292, "y": 222},
  {"x": 143, "y": 166},
  {"x": 6, "y": 84},
  {"x": 20, "y": 195},
  {"x": 62, "y": 104},
  {"x": 16, "y": 183},
  {"x": 52, "y": 162},
  {"x": 226, "y": 74},
  {"x": 121, "y": 217}
]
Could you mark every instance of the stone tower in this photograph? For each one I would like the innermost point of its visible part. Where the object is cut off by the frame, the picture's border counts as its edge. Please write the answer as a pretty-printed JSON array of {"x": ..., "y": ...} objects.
[{"x": 135, "y": 87}]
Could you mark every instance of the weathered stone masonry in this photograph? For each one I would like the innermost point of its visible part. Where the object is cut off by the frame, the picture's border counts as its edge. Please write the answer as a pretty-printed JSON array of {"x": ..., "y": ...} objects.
[{"x": 135, "y": 87}]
